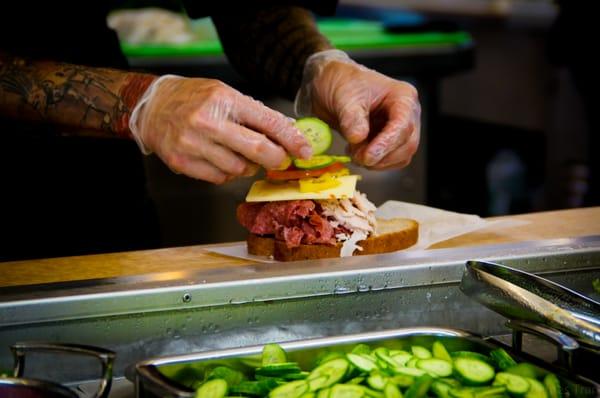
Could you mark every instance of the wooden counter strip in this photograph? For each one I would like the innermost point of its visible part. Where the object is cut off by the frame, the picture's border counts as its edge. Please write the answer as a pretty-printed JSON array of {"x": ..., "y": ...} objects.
[{"x": 546, "y": 225}]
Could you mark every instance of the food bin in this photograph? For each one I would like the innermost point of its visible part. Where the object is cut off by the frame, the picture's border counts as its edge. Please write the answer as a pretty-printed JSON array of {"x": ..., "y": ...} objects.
[{"x": 166, "y": 376}]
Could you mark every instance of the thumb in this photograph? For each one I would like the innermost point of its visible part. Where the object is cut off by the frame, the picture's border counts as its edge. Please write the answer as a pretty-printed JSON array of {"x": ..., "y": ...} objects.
[{"x": 354, "y": 123}]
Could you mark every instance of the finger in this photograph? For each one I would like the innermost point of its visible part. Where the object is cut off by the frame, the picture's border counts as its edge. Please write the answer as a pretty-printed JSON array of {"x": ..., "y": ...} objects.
[
  {"x": 354, "y": 122},
  {"x": 196, "y": 146},
  {"x": 224, "y": 159},
  {"x": 402, "y": 119},
  {"x": 251, "y": 169},
  {"x": 275, "y": 125},
  {"x": 401, "y": 156},
  {"x": 254, "y": 146},
  {"x": 196, "y": 168}
]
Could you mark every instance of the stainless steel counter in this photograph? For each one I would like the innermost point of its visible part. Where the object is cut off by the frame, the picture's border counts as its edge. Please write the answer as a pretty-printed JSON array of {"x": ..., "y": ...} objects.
[{"x": 179, "y": 312}]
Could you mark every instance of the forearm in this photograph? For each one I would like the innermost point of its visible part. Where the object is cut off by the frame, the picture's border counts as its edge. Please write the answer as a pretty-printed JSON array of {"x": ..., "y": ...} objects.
[
  {"x": 271, "y": 45},
  {"x": 76, "y": 97}
]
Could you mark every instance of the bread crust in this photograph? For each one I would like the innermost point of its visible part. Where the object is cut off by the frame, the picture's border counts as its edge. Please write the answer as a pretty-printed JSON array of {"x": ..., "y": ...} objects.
[
  {"x": 259, "y": 245},
  {"x": 404, "y": 236}
]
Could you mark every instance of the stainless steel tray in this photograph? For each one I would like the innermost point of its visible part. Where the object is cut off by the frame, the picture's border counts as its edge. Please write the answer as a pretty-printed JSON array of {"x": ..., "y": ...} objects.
[{"x": 156, "y": 377}]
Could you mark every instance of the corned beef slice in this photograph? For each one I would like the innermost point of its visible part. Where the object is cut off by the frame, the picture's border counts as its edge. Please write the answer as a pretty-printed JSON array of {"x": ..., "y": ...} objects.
[{"x": 294, "y": 221}]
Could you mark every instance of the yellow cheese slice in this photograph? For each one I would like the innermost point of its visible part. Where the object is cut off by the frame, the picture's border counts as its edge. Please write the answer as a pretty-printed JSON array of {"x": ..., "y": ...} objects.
[{"x": 264, "y": 191}]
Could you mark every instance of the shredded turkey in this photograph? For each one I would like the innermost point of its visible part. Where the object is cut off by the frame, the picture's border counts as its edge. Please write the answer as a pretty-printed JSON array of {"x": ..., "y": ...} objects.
[
  {"x": 350, "y": 245},
  {"x": 357, "y": 215}
]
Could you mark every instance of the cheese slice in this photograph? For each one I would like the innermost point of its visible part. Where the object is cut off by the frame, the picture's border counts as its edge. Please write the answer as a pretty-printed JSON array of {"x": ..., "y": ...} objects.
[{"x": 265, "y": 191}]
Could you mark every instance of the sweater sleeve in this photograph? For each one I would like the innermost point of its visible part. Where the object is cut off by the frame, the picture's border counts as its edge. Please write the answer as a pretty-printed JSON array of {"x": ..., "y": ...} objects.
[{"x": 270, "y": 45}]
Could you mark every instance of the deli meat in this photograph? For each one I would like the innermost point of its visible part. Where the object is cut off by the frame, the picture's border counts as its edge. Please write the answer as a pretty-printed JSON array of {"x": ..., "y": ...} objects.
[{"x": 293, "y": 221}]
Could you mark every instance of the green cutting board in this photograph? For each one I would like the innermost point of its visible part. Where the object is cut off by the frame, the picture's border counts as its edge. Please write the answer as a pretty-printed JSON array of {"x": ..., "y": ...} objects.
[{"x": 345, "y": 34}]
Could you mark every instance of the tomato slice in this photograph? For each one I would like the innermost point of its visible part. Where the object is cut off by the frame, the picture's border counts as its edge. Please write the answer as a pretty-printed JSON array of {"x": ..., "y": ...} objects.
[{"x": 298, "y": 174}]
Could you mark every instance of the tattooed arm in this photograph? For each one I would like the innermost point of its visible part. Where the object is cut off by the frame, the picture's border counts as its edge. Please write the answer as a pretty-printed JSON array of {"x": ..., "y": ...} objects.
[
  {"x": 270, "y": 45},
  {"x": 77, "y": 97}
]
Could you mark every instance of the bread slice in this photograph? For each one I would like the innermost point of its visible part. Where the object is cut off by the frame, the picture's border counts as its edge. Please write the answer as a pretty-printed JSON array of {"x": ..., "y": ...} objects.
[
  {"x": 391, "y": 235},
  {"x": 260, "y": 245}
]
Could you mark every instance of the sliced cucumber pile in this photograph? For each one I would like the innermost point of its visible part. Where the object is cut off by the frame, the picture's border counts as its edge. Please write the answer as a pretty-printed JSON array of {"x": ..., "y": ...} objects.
[{"x": 378, "y": 372}]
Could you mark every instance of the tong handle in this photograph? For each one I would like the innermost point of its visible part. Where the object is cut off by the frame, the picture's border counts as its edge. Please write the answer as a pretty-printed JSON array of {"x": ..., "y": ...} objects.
[
  {"x": 565, "y": 345},
  {"x": 106, "y": 358}
]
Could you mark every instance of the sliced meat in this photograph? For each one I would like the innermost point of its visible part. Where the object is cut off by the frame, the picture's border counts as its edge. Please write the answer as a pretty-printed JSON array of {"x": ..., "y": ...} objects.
[
  {"x": 292, "y": 236},
  {"x": 294, "y": 221},
  {"x": 324, "y": 230},
  {"x": 246, "y": 213}
]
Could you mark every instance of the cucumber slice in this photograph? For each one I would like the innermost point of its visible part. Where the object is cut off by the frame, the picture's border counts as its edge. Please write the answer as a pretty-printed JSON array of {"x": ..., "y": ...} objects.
[
  {"x": 346, "y": 391},
  {"x": 473, "y": 355},
  {"x": 360, "y": 348},
  {"x": 391, "y": 391},
  {"x": 460, "y": 393},
  {"x": 515, "y": 384},
  {"x": 255, "y": 388},
  {"x": 231, "y": 376},
  {"x": 420, "y": 352},
  {"x": 435, "y": 366},
  {"x": 327, "y": 374},
  {"x": 362, "y": 362},
  {"x": 402, "y": 380},
  {"x": 491, "y": 392},
  {"x": 401, "y": 357},
  {"x": 317, "y": 132},
  {"x": 278, "y": 369},
  {"x": 356, "y": 380},
  {"x": 383, "y": 355},
  {"x": 273, "y": 353},
  {"x": 526, "y": 369},
  {"x": 420, "y": 387},
  {"x": 450, "y": 381},
  {"x": 502, "y": 359},
  {"x": 376, "y": 381},
  {"x": 440, "y": 352},
  {"x": 342, "y": 158},
  {"x": 372, "y": 393},
  {"x": 409, "y": 371},
  {"x": 473, "y": 371},
  {"x": 440, "y": 389},
  {"x": 316, "y": 162},
  {"x": 536, "y": 389},
  {"x": 293, "y": 389},
  {"x": 216, "y": 388},
  {"x": 328, "y": 356},
  {"x": 295, "y": 376},
  {"x": 553, "y": 386},
  {"x": 324, "y": 393}
]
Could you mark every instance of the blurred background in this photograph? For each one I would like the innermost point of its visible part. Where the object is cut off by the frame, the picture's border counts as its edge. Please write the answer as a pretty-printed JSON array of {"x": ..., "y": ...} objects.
[{"x": 505, "y": 129}]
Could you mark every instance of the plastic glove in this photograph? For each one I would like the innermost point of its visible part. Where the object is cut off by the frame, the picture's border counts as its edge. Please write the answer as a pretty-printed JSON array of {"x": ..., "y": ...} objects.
[
  {"x": 379, "y": 116},
  {"x": 207, "y": 130}
]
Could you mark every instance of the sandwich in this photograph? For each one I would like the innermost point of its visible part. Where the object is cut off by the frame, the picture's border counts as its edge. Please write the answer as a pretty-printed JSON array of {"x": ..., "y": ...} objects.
[{"x": 312, "y": 209}]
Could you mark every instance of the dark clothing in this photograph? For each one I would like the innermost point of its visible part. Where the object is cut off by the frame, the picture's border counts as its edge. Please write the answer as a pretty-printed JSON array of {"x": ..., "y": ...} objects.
[
  {"x": 66, "y": 195},
  {"x": 568, "y": 47}
]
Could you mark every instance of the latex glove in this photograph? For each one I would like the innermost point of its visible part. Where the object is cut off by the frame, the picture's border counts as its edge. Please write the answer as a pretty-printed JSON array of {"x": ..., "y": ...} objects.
[
  {"x": 379, "y": 116},
  {"x": 207, "y": 130}
]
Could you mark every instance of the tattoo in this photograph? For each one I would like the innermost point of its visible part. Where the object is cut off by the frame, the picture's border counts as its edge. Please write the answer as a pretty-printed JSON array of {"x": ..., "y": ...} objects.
[
  {"x": 271, "y": 45},
  {"x": 70, "y": 95}
]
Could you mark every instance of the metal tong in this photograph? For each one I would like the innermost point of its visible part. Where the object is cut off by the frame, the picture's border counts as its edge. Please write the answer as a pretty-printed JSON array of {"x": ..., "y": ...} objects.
[{"x": 535, "y": 305}]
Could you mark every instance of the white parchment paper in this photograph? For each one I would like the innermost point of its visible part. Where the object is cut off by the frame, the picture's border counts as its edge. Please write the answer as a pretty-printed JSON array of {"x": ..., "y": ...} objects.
[{"x": 435, "y": 225}]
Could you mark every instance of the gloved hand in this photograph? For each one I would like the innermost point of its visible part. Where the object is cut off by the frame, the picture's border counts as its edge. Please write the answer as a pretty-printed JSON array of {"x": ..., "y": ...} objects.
[
  {"x": 207, "y": 130},
  {"x": 379, "y": 116}
]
